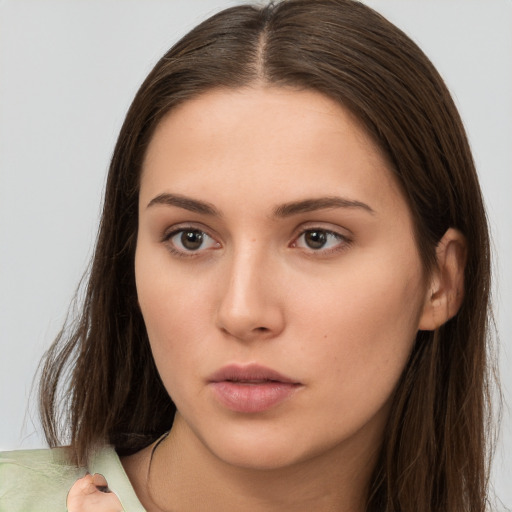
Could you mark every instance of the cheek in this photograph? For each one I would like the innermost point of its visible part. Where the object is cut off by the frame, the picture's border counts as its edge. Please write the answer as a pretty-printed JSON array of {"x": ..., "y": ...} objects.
[
  {"x": 172, "y": 308},
  {"x": 361, "y": 330},
  {"x": 173, "y": 320}
]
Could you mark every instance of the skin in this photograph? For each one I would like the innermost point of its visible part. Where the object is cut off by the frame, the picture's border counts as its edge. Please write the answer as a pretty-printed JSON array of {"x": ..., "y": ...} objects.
[
  {"x": 340, "y": 319},
  {"x": 90, "y": 494}
]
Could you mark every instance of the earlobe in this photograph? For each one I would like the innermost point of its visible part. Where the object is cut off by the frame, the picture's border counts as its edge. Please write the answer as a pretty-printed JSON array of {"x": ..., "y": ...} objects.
[{"x": 446, "y": 290}]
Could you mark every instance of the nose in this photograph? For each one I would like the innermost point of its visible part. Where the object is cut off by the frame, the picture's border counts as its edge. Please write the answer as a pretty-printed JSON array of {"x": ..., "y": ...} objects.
[{"x": 250, "y": 306}]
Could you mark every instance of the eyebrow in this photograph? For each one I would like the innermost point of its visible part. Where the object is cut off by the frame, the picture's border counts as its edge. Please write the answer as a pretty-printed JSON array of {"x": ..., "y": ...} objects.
[
  {"x": 281, "y": 211},
  {"x": 192, "y": 205},
  {"x": 321, "y": 203}
]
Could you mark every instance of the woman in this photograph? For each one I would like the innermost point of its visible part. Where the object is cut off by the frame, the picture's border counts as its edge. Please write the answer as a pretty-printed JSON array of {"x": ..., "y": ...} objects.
[{"x": 287, "y": 308}]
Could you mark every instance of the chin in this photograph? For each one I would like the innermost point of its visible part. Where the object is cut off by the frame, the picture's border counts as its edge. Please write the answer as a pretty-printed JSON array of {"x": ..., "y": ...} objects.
[
  {"x": 259, "y": 457},
  {"x": 263, "y": 449}
]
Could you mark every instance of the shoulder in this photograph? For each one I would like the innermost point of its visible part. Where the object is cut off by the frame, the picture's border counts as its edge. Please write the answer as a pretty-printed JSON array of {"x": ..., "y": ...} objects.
[
  {"x": 33, "y": 480},
  {"x": 45, "y": 481}
]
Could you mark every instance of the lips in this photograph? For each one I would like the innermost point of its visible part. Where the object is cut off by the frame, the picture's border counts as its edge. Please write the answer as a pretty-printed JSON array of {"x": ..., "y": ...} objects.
[{"x": 251, "y": 388}]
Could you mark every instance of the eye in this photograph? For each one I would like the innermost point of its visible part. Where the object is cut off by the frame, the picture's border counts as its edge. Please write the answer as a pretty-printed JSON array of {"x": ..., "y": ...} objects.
[
  {"x": 318, "y": 239},
  {"x": 190, "y": 240}
]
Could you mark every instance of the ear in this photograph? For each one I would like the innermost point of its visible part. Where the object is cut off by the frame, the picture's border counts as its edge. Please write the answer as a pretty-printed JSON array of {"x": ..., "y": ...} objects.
[{"x": 446, "y": 289}]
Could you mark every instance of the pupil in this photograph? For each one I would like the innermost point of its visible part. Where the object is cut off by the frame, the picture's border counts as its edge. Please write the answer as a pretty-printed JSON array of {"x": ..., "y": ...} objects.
[
  {"x": 192, "y": 240},
  {"x": 315, "y": 239}
]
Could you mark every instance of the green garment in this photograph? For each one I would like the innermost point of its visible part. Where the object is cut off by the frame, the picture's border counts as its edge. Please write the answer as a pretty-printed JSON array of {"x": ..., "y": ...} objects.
[{"x": 40, "y": 480}]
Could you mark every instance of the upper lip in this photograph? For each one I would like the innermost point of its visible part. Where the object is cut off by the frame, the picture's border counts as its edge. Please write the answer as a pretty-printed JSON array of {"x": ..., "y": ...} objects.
[{"x": 249, "y": 373}]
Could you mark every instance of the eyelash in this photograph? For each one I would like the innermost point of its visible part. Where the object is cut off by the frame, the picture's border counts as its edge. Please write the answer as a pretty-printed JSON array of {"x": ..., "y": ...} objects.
[
  {"x": 343, "y": 241},
  {"x": 183, "y": 253}
]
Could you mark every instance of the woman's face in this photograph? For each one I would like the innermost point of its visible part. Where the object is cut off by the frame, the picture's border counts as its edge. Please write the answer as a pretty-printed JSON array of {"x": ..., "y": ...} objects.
[{"x": 277, "y": 274}]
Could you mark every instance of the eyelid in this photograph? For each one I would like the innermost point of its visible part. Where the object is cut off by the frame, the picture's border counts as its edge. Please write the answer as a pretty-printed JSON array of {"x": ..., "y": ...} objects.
[
  {"x": 324, "y": 225},
  {"x": 182, "y": 226},
  {"x": 175, "y": 229},
  {"x": 342, "y": 234}
]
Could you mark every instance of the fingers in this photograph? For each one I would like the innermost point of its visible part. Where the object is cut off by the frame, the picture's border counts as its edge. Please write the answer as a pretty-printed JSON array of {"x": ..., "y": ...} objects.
[
  {"x": 84, "y": 486},
  {"x": 91, "y": 494},
  {"x": 100, "y": 482},
  {"x": 89, "y": 484}
]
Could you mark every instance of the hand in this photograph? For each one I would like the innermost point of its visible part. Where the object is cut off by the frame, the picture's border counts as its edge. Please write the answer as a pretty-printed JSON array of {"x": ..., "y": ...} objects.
[{"x": 91, "y": 494}]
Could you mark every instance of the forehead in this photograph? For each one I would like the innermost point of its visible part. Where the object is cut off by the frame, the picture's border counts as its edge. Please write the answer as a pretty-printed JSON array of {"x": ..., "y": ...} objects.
[{"x": 265, "y": 142}]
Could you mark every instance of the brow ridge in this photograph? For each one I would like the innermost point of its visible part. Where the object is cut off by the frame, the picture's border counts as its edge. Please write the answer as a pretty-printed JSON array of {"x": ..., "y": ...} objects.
[
  {"x": 187, "y": 203},
  {"x": 281, "y": 211},
  {"x": 321, "y": 203}
]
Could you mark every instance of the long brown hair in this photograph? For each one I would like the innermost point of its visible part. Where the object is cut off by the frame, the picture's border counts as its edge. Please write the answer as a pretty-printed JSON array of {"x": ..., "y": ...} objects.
[{"x": 99, "y": 382}]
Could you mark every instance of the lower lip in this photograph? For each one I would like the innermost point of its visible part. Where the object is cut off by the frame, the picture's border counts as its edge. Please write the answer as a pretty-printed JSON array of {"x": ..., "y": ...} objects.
[{"x": 241, "y": 397}]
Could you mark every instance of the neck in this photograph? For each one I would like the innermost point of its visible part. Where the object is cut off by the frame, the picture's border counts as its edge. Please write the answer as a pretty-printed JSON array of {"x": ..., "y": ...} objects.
[{"x": 183, "y": 475}]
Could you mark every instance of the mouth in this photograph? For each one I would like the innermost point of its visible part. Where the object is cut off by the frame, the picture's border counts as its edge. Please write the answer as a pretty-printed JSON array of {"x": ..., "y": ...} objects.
[
  {"x": 251, "y": 388},
  {"x": 249, "y": 374}
]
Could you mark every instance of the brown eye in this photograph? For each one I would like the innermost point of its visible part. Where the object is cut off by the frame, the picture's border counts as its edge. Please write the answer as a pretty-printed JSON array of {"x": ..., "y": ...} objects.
[
  {"x": 315, "y": 239},
  {"x": 191, "y": 240},
  {"x": 321, "y": 240}
]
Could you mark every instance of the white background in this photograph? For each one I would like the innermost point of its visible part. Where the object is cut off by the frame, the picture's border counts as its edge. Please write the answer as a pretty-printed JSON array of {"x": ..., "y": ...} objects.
[{"x": 68, "y": 71}]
